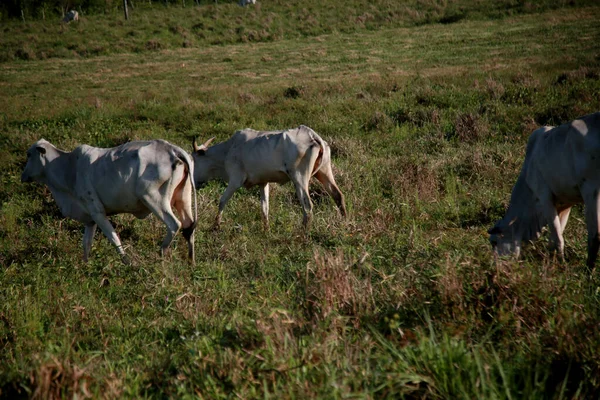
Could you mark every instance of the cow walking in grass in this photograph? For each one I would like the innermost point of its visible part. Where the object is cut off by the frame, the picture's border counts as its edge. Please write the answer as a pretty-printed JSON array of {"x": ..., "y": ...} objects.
[
  {"x": 71, "y": 16},
  {"x": 561, "y": 169},
  {"x": 251, "y": 158},
  {"x": 89, "y": 184}
]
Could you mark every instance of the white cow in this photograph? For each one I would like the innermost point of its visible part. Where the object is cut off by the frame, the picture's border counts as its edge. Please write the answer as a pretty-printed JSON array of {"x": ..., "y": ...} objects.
[
  {"x": 138, "y": 178},
  {"x": 252, "y": 158},
  {"x": 71, "y": 16},
  {"x": 561, "y": 168},
  {"x": 244, "y": 3}
]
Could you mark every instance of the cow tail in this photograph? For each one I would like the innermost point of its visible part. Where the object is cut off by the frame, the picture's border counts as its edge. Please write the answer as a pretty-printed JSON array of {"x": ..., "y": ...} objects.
[
  {"x": 324, "y": 157},
  {"x": 185, "y": 158}
]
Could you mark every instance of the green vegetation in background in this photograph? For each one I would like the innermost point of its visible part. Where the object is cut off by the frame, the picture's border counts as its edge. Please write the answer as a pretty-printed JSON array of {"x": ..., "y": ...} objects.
[{"x": 153, "y": 27}]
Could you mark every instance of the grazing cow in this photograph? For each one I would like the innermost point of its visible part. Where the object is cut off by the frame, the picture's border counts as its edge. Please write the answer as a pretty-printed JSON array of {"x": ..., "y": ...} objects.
[
  {"x": 251, "y": 158},
  {"x": 244, "y": 3},
  {"x": 561, "y": 169},
  {"x": 138, "y": 178},
  {"x": 71, "y": 16}
]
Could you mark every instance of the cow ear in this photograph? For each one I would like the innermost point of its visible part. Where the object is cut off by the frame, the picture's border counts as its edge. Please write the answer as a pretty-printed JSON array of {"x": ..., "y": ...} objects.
[
  {"x": 495, "y": 230},
  {"x": 41, "y": 150}
]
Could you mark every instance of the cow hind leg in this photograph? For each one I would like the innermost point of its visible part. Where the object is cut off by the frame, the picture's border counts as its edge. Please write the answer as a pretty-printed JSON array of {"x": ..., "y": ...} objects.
[
  {"x": 325, "y": 176},
  {"x": 303, "y": 195},
  {"x": 300, "y": 181},
  {"x": 301, "y": 177},
  {"x": 592, "y": 219},
  {"x": 163, "y": 211}
]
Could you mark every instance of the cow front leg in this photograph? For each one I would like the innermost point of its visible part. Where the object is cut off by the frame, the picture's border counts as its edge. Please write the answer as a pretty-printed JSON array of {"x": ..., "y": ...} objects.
[
  {"x": 88, "y": 238},
  {"x": 564, "y": 218},
  {"x": 109, "y": 231},
  {"x": 264, "y": 204},
  {"x": 550, "y": 214},
  {"x": 232, "y": 186}
]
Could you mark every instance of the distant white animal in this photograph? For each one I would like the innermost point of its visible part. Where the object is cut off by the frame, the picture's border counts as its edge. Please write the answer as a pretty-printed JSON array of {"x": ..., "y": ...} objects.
[
  {"x": 138, "y": 178},
  {"x": 244, "y": 3},
  {"x": 71, "y": 16},
  {"x": 252, "y": 158},
  {"x": 561, "y": 169}
]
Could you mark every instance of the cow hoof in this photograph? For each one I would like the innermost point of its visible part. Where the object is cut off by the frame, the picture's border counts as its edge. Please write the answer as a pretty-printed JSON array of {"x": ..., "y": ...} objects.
[
  {"x": 126, "y": 260},
  {"x": 165, "y": 253}
]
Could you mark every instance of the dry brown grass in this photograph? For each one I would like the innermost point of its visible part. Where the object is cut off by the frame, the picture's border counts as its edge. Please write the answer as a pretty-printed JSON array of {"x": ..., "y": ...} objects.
[
  {"x": 415, "y": 179},
  {"x": 56, "y": 380},
  {"x": 192, "y": 306},
  {"x": 332, "y": 287},
  {"x": 494, "y": 88},
  {"x": 470, "y": 128}
]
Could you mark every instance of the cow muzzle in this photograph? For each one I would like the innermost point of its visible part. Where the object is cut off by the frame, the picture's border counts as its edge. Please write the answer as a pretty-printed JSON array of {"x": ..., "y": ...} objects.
[{"x": 25, "y": 178}]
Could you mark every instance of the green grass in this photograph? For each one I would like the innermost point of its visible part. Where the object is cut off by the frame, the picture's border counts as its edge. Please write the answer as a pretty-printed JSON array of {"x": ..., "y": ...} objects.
[
  {"x": 428, "y": 124},
  {"x": 155, "y": 28}
]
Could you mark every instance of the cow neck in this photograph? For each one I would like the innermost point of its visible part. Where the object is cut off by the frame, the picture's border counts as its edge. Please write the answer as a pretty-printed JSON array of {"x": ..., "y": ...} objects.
[
  {"x": 60, "y": 170},
  {"x": 523, "y": 215},
  {"x": 217, "y": 154}
]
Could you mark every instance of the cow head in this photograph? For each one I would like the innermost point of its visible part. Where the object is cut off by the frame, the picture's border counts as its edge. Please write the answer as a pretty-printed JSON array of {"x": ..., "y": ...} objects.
[
  {"x": 504, "y": 241},
  {"x": 202, "y": 163},
  {"x": 36, "y": 161}
]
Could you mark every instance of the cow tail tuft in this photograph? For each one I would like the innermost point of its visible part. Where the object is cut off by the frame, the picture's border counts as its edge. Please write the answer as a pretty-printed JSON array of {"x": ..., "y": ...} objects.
[{"x": 187, "y": 232}]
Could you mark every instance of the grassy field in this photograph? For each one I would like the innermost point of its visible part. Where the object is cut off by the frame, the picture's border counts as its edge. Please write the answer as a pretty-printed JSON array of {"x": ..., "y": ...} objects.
[{"x": 427, "y": 112}]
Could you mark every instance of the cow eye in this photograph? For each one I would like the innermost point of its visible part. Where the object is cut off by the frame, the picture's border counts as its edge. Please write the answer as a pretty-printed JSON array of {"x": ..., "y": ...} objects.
[{"x": 28, "y": 155}]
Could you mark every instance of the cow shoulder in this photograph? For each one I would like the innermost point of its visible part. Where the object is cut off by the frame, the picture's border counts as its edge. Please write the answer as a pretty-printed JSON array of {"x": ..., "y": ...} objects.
[{"x": 86, "y": 154}]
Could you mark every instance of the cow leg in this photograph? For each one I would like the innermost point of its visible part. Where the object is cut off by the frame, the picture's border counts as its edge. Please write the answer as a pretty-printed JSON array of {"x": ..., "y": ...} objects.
[
  {"x": 300, "y": 176},
  {"x": 564, "y": 218},
  {"x": 556, "y": 238},
  {"x": 264, "y": 203},
  {"x": 88, "y": 238},
  {"x": 162, "y": 209},
  {"x": 591, "y": 198},
  {"x": 232, "y": 186},
  {"x": 109, "y": 231},
  {"x": 325, "y": 176},
  {"x": 301, "y": 183}
]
